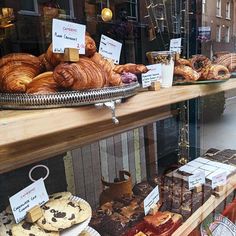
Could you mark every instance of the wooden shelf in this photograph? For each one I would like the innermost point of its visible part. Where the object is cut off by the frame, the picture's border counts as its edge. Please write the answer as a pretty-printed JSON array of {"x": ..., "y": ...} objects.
[
  {"x": 198, "y": 216},
  {"x": 29, "y": 136}
]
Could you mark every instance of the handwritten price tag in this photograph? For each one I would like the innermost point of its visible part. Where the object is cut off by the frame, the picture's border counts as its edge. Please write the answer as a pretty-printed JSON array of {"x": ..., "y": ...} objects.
[
  {"x": 110, "y": 49},
  {"x": 152, "y": 198},
  {"x": 219, "y": 179},
  {"x": 175, "y": 45},
  {"x": 154, "y": 74},
  {"x": 23, "y": 201},
  {"x": 66, "y": 34},
  {"x": 196, "y": 179}
]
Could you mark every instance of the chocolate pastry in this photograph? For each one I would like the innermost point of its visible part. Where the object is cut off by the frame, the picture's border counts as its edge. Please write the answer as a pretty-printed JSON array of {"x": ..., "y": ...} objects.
[
  {"x": 199, "y": 62},
  {"x": 142, "y": 189}
]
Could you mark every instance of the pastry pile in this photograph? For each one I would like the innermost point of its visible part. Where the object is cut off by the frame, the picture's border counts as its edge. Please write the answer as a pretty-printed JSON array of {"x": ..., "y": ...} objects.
[
  {"x": 199, "y": 67},
  {"x": 49, "y": 73},
  {"x": 59, "y": 213}
]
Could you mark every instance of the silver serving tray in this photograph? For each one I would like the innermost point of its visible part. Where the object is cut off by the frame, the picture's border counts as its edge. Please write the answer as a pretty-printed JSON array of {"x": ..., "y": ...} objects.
[{"x": 68, "y": 98}]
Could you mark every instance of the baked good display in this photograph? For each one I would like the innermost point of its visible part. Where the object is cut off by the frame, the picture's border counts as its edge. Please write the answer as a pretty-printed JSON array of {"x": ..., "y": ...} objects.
[
  {"x": 63, "y": 213},
  {"x": 30, "y": 229},
  {"x": 199, "y": 68},
  {"x": 178, "y": 198}
]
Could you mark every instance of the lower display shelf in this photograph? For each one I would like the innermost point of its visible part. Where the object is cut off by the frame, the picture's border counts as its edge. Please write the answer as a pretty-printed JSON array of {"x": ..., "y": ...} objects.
[{"x": 209, "y": 206}]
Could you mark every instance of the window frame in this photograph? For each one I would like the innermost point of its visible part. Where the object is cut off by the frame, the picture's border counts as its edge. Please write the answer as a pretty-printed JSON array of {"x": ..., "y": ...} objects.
[{"x": 218, "y": 8}]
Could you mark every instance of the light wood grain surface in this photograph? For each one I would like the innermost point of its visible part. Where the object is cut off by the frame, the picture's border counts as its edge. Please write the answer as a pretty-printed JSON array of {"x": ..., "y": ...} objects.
[{"x": 29, "y": 136}]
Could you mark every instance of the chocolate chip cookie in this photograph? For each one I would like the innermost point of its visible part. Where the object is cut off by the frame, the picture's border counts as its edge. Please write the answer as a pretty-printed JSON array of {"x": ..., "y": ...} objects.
[
  {"x": 6, "y": 222},
  {"x": 63, "y": 213},
  {"x": 29, "y": 229}
]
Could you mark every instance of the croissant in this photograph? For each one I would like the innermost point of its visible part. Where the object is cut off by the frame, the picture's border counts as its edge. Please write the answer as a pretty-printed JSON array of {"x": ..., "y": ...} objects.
[
  {"x": 186, "y": 72},
  {"x": 182, "y": 61},
  {"x": 17, "y": 70},
  {"x": 52, "y": 59},
  {"x": 90, "y": 46},
  {"x": 130, "y": 67},
  {"x": 84, "y": 74},
  {"x": 43, "y": 83},
  {"x": 112, "y": 78}
]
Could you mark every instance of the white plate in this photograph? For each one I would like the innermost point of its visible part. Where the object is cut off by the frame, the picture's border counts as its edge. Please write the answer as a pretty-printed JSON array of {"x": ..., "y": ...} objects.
[
  {"x": 92, "y": 231},
  {"x": 77, "y": 229}
]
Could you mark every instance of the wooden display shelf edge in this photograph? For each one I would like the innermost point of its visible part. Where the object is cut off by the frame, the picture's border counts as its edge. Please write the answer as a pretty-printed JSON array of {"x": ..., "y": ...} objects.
[
  {"x": 198, "y": 216},
  {"x": 34, "y": 135}
]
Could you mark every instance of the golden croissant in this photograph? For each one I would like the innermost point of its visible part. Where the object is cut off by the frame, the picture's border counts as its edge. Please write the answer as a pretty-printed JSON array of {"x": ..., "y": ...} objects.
[
  {"x": 17, "y": 70},
  {"x": 84, "y": 74},
  {"x": 43, "y": 83}
]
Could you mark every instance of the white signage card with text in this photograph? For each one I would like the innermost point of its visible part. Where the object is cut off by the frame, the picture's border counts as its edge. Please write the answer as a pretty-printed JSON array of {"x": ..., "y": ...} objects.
[
  {"x": 154, "y": 74},
  {"x": 196, "y": 179},
  {"x": 23, "y": 201},
  {"x": 110, "y": 49},
  {"x": 175, "y": 45},
  {"x": 219, "y": 179},
  {"x": 66, "y": 34},
  {"x": 152, "y": 198}
]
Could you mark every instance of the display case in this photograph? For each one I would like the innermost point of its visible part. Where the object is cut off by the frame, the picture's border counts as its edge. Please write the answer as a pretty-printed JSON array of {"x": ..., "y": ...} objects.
[{"x": 138, "y": 157}]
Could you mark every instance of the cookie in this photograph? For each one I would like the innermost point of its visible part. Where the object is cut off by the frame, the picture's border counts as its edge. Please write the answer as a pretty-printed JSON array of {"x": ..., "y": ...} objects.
[
  {"x": 63, "y": 213},
  {"x": 29, "y": 229},
  {"x": 60, "y": 195},
  {"x": 6, "y": 222}
]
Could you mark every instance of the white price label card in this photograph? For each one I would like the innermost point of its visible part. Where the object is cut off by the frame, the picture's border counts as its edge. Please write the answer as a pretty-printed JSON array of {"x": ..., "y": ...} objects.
[
  {"x": 152, "y": 198},
  {"x": 196, "y": 179},
  {"x": 175, "y": 45},
  {"x": 23, "y": 201},
  {"x": 218, "y": 179},
  {"x": 110, "y": 49},
  {"x": 154, "y": 74},
  {"x": 67, "y": 34}
]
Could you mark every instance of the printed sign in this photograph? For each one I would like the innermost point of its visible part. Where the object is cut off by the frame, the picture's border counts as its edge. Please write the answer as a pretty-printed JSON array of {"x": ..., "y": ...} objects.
[
  {"x": 196, "y": 179},
  {"x": 175, "y": 45},
  {"x": 23, "y": 201},
  {"x": 219, "y": 179},
  {"x": 152, "y": 198},
  {"x": 204, "y": 33},
  {"x": 110, "y": 49},
  {"x": 154, "y": 74},
  {"x": 66, "y": 34}
]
